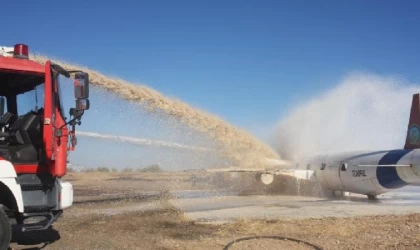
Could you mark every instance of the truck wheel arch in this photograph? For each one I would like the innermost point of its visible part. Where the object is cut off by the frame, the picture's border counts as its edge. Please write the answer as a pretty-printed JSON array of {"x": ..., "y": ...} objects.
[
  {"x": 9, "y": 186},
  {"x": 7, "y": 198}
]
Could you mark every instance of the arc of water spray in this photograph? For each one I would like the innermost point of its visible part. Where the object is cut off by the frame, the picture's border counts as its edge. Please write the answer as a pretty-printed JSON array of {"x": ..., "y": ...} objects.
[
  {"x": 236, "y": 145},
  {"x": 141, "y": 141}
]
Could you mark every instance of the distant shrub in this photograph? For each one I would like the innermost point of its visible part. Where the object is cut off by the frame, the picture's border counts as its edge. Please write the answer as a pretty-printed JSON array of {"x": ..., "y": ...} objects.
[
  {"x": 151, "y": 169},
  {"x": 70, "y": 170},
  {"x": 89, "y": 170},
  {"x": 114, "y": 170},
  {"x": 102, "y": 169},
  {"x": 127, "y": 170}
]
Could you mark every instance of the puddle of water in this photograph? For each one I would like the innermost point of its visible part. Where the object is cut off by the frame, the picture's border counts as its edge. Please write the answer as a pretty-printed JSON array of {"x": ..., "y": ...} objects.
[{"x": 199, "y": 194}]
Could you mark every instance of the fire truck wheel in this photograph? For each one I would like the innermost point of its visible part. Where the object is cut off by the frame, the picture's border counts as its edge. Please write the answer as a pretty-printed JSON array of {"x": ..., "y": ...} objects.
[{"x": 5, "y": 231}]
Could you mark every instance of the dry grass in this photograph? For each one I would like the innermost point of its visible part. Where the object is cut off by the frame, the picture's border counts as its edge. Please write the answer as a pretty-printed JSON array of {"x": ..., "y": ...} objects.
[
  {"x": 236, "y": 145},
  {"x": 168, "y": 229},
  {"x": 86, "y": 226},
  {"x": 365, "y": 232}
]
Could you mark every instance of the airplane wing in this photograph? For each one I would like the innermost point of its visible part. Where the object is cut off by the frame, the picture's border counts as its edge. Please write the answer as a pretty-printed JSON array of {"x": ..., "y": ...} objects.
[
  {"x": 234, "y": 169},
  {"x": 271, "y": 166},
  {"x": 238, "y": 169}
]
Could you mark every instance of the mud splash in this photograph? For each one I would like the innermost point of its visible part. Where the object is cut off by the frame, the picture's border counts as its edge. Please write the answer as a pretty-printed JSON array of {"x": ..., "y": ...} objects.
[{"x": 237, "y": 146}]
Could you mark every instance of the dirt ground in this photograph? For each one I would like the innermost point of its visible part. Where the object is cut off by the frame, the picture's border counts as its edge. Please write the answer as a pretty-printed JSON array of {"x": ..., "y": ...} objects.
[{"x": 169, "y": 228}]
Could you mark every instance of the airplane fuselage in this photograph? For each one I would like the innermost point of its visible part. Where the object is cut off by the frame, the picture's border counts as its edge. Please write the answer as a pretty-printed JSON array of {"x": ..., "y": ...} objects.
[{"x": 370, "y": 173}]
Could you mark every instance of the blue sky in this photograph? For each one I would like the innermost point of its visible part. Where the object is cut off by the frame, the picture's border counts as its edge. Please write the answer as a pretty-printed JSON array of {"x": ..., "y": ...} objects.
[{"x": 246, "y": 61}]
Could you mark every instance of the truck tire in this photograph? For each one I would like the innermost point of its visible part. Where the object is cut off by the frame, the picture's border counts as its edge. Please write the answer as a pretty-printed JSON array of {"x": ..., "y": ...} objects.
[{"x": 5, "y": 230}]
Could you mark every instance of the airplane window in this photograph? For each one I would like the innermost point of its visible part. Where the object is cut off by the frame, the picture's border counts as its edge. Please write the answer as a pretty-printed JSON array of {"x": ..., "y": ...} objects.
[{"x": 344, "y": 167}]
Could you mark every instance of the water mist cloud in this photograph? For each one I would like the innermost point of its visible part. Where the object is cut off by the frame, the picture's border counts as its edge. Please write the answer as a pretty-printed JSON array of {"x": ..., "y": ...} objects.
[{"x": 364, "y": 112}]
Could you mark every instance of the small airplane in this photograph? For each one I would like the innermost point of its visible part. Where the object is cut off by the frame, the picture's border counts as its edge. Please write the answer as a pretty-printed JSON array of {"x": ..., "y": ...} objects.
[{"x": 368, "y": 173}]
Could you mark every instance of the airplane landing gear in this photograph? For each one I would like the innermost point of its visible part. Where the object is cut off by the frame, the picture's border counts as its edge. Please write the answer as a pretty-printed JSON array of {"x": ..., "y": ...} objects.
[
  {"x": 372, "y": 197},
  {"x": 334, "y": 194}
]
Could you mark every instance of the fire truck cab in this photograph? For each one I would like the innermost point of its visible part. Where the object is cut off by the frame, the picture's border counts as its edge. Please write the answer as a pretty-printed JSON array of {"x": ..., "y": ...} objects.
[{"x": 35, "y": 137}]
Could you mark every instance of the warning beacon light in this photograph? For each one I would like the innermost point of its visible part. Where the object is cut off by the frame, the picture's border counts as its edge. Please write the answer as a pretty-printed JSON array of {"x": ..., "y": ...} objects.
[{"x": 21, "y": 51}]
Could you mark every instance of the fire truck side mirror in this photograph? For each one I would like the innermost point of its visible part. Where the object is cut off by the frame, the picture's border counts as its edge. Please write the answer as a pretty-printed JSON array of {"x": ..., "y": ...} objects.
[
  {"x": 1, "y": 106},
  {"x": 81, "y": 85},
  {"x": 82, "y": 104}
]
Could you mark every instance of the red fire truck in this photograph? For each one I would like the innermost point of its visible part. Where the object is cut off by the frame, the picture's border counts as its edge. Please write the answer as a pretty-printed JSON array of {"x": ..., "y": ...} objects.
[{"x": 35, "y": 137}]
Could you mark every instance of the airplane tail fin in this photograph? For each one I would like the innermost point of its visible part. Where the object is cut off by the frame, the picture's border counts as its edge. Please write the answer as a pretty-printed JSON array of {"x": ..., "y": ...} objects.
[{"x": 413, "y": 131}]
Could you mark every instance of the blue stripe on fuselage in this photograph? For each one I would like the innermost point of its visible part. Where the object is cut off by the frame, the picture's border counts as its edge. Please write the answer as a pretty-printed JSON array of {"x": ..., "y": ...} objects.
[{"x": 388, "y": 176}]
